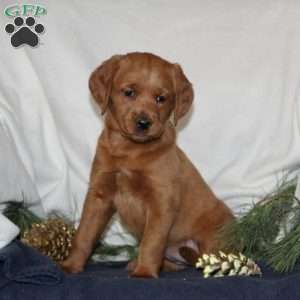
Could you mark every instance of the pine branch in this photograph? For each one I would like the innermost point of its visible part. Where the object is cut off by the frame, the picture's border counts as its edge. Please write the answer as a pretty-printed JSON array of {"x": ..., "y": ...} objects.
[
  {"x": 20, "y": 215},
  {"x": 255, "y": 233}
]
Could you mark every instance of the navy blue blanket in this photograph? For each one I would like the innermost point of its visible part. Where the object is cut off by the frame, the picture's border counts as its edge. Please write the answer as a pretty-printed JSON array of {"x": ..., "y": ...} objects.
[{"x": 25, "y": 274}]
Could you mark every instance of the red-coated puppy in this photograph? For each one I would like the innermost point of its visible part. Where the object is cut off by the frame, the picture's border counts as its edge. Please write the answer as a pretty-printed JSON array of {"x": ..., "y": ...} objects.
[{"x": 139, "y": 171}]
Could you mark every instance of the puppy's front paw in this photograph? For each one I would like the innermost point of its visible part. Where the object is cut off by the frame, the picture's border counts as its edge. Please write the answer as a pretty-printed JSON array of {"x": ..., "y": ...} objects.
[
  {"x": 71, "y": 266},
  {"x": 144, "y": 272}
]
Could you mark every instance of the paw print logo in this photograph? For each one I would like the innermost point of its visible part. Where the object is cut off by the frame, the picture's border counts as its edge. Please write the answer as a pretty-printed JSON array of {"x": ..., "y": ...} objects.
[{"x": 24, "y": 33}]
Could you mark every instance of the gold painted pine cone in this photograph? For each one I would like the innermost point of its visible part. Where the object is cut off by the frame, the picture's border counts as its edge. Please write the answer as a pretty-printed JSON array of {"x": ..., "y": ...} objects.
[
  {"x": 227, "y": 265},
  {"x": 52, "y": 237}
]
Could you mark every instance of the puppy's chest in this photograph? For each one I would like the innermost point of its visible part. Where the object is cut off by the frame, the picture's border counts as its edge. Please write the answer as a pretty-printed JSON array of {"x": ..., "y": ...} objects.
[{"x": 133, "y": 193}]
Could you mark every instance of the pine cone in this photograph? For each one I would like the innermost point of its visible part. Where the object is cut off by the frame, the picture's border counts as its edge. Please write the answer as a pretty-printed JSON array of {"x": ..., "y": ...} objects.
[
  {"x": 227, "y": 265},
  {"x": 52, "y": 237}
]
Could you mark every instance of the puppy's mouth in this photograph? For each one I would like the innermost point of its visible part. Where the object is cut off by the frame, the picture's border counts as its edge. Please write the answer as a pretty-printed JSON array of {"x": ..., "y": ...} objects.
[{"x": 139, "y": 138}]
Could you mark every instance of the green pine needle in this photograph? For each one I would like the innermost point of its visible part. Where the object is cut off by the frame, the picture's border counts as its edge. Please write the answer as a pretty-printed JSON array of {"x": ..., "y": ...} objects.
[{"x": 283, "y": 256}]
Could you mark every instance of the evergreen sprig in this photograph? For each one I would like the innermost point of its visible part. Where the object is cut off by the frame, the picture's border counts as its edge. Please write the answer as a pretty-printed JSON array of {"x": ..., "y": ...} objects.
[
  {"x": 20, "y": 215},
  {"x": 256, "y": 234}
]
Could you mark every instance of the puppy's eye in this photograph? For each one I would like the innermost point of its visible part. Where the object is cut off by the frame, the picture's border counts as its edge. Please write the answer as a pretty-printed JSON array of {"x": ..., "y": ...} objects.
[
  {"x": 160, "y": 99},
  {"x": 129, "y": 93}
]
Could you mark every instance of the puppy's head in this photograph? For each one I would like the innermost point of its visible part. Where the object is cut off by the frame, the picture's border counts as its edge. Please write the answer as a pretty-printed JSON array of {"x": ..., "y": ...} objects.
[{"x": 141, "y": 91}]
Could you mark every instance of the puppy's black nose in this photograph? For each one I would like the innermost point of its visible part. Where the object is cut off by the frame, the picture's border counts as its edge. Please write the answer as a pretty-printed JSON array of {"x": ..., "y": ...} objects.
[{"x": 143, "y": 123}]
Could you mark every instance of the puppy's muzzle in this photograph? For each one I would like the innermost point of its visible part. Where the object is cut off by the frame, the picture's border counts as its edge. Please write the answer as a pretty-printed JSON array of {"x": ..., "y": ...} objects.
[{"x": 143, "y": 127}]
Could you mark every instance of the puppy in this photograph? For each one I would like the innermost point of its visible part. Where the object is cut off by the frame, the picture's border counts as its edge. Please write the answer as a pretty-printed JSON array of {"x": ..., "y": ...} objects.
[{"x": 140, "y": 173}]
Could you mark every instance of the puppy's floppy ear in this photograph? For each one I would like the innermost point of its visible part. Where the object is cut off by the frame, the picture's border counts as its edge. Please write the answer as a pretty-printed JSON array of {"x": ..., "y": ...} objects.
[
  {"x": 184, "y": 93},
  {"x": 100, "y": 82}
]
